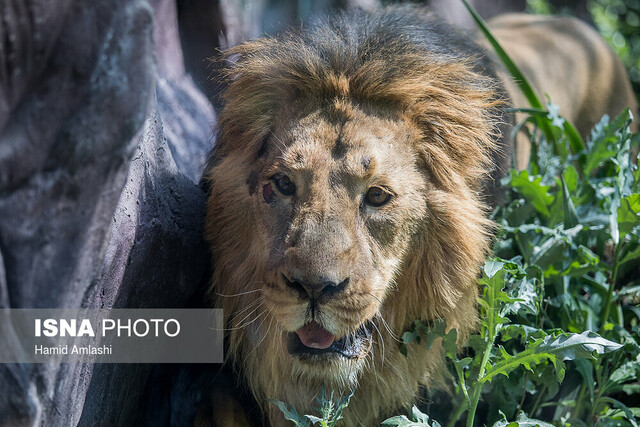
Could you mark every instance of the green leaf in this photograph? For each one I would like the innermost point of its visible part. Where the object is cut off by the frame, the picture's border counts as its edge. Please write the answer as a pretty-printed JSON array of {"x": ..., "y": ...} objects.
[
  {"x": 554, "y": 348},
  {"x": 625, "y": 410},
  {"x": 570, "y": 215},
  {"x": 585, "y": 261},
  {"x": 492, "y": 267},
  {"x": 626, "y": 372},
  {"x": 585, "y": 369},
  {"x": 521, "y": 332},
  {"x": 315, "y": 420},
  {"x": 521, "y": 420},
  {"x": 631, "y": 255},
  {"x": 532, "y": 190},
  {"x": 575, "y": 140},
  {"x": 418, "y": 419},
  {"x": 572, "y": 346},
  {"x": 450, "y": 343},
  {"x": 605, "y": 140},
  {"x": 571, "y": 178},
  {"x": 628, "y": 214},
  {"x": 433, "y": 331},
  {"x": 417, "y": 415},
  {"x": 494, "y": 299}
]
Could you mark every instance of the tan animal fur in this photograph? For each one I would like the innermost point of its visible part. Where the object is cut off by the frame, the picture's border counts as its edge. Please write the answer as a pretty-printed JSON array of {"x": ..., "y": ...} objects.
[{"x": 567, "y": 60}]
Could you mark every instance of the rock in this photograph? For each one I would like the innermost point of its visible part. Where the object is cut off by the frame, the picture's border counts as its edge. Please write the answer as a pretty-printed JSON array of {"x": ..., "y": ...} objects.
[{"x": 100, "y": 155}]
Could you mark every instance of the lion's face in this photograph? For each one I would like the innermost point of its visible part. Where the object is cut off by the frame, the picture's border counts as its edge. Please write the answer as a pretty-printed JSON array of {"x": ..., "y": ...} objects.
[{"x": 337, "y": 201}]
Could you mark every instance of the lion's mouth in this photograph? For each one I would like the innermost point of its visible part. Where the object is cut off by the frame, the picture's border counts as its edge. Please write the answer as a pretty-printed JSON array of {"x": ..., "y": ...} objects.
[{"x": 313, "y": 339}]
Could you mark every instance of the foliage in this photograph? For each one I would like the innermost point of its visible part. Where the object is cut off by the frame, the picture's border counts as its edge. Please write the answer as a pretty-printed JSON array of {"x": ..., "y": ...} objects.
[
  {"x": 618, "y": 21},
  {"x": 329, "y": 411},
  {"x": 418, "y": 419}
]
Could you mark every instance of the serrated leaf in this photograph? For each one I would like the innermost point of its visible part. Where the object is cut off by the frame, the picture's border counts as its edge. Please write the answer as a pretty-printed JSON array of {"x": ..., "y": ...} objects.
[
  {"x": 572, "y": 346},
  {"x": 631, "y": 255},
  {"x": 554, "y": 348},
  {"x": 525, "y": 296},
  {"x": 402, "y": 421},
  {"x": 521, "y": 420},
  {"x": 522, "y": 332},
  {"x": 398, "y": 421},
  {"x": 603, "y": 145},
  {"x": 418, "y": 419},
  {"x": 418, "y": 415},
  {"x": 494, "y": 299},
  {"x": 450, "y": 344},
  {"x": 314, "y": 419}
]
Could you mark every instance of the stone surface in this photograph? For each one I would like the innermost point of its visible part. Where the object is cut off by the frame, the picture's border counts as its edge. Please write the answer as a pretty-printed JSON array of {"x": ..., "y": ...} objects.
[{"x": 100, "y": 155}]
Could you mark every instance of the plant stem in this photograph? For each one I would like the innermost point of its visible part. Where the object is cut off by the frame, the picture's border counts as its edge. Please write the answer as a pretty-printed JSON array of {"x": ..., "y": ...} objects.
[
  {"x": 612, "y": 284},
  {"x": 524, "y": 392},
  {"x": 578, "y": 408},
  {"x": 477, "y": 387},
  {"x": 537, "y": 402}
]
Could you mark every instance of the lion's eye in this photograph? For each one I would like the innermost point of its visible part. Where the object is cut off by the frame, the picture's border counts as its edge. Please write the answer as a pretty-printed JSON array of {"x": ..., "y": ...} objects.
[
  {"x": 284, "y": 185},
  {"x": 377, "y": 196}
]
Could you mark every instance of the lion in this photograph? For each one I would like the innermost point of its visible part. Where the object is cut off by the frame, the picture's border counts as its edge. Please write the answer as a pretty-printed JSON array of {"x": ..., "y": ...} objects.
[{"x": 348, "y": 195}]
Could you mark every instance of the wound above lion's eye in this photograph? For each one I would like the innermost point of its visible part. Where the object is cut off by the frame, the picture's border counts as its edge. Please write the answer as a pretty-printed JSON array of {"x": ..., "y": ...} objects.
[{"x": 267, "y": 192}]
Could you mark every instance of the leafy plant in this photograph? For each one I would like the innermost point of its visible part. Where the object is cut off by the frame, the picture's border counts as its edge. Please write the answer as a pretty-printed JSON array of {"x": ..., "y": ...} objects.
[
  {"x": 330, "y": 411},
  {"x": 418, "y": 419}
]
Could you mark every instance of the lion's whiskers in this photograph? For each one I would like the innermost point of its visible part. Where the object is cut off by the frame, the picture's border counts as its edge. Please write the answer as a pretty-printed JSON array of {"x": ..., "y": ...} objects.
[
  {"x": 238, "y": 294},
  {"x": 255, "y": 307},
  {"x": 251, "y": 321},
  {"x": 384, "y": 322},
  {"x": 249, "y": 306},
  {"x": 264, "y": 336},
  {"x": 381, "y": 342}
]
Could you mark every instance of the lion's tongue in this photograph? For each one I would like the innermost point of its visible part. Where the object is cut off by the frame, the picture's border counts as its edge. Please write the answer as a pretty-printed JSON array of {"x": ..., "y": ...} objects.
[{"x": 315, "y": 336}]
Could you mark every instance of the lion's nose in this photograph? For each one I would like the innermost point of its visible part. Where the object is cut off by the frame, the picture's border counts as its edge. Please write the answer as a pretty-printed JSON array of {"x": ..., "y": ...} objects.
[{"x": 316, "y": 289}]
